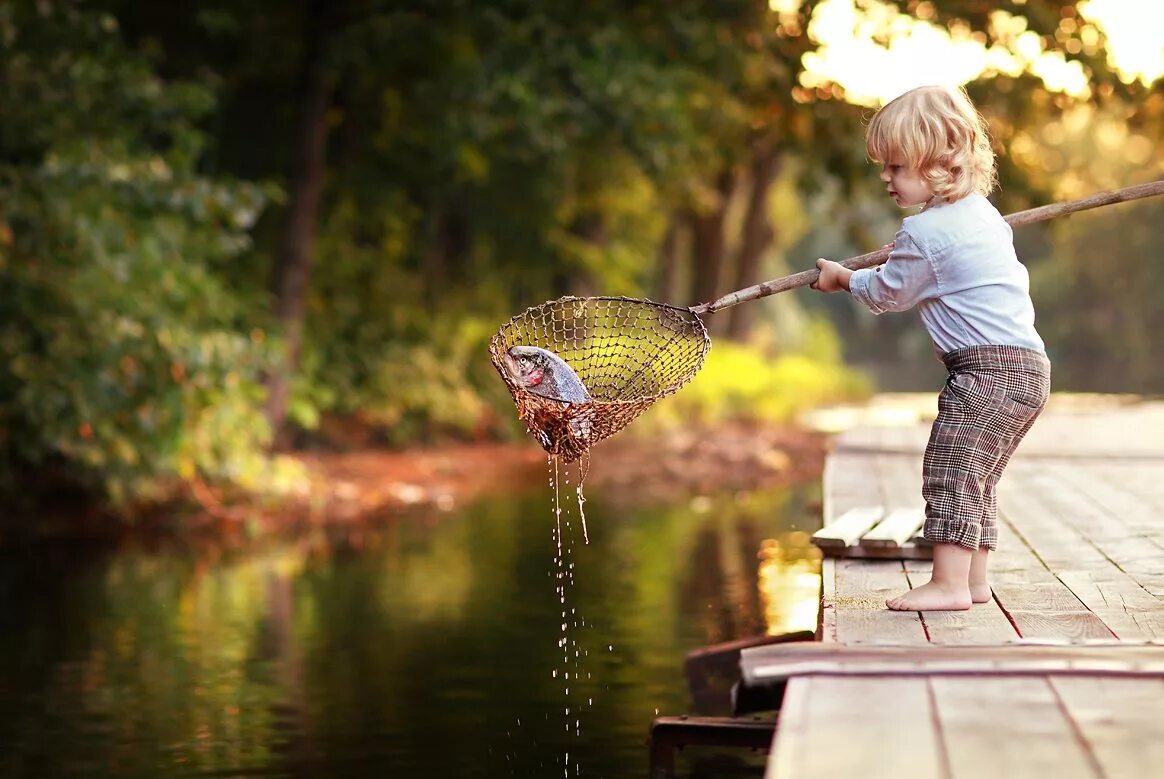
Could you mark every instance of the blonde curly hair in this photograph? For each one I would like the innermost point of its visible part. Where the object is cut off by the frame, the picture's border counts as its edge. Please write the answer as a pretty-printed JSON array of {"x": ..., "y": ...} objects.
[{"x": 938, "y": 132}]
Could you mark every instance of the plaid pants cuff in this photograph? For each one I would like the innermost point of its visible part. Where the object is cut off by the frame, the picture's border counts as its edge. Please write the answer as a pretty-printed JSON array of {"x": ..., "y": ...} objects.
[
  {"x": 989, "y": 537},
  {"x": 954, "y": 531}
]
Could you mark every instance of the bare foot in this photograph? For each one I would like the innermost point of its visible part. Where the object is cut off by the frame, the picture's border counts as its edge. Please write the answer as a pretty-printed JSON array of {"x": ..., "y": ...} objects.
[
  {"x": 932, "y": 597},
  {"x": 980, "y": 593}
]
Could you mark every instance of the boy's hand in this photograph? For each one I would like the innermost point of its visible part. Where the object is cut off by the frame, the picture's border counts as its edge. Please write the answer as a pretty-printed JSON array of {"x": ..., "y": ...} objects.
[{"x": 834, "y": 277}]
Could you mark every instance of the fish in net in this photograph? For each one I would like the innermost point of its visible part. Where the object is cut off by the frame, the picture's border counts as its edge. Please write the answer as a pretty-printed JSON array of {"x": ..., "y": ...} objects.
[{"x": 581, "y": 369}]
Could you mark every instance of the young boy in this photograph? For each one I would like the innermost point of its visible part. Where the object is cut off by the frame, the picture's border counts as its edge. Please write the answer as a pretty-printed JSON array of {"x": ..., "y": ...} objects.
[{"x": 955, "y": 261}]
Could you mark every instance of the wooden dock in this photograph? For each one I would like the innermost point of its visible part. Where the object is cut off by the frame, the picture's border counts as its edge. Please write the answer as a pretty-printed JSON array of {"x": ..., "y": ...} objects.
[{"x": 1080, "y": 565}]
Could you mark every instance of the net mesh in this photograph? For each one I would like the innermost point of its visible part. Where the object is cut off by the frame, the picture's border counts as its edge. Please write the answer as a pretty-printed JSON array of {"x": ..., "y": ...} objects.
[{"x": 627, "y": 352}]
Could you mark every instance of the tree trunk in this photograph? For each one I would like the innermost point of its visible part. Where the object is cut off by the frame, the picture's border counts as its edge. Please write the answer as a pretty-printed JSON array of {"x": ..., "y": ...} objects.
[
  {"x": 448, "y": 245},
  {"x": 293, "y": 263},
  {"x": 667, "y": 280},
  {"x": 708, "y": 243},
  {"x": 758, "y": 235},
  {"x": 591, "y": 227}
]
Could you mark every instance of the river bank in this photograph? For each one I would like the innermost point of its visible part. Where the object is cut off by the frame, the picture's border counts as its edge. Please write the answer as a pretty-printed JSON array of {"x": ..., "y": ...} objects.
[
  {"x": 628, "y": 470},
  {"x": 368, "y": 484}
]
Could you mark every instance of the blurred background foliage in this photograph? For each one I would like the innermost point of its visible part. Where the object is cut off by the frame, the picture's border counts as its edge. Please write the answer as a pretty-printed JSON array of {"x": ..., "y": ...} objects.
[{"x": 228, "y": 225}]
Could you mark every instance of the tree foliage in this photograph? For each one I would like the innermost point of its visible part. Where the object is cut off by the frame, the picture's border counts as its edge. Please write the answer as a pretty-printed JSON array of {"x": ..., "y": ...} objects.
[
  {"x": 424, "y": 170},
  {"x": 124, "y": 356}
]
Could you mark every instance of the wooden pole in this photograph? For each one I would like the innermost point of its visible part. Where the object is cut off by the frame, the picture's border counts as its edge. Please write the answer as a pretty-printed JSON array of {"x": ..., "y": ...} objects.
[{"x": 1040, "y": 214}]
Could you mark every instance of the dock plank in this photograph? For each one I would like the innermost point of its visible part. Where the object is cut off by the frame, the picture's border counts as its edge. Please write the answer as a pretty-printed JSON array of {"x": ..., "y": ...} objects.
[
  {"x": 827, "y": 621},
  {"x": 1120, "y": 721},
  {"x": 819, "y": 711},
  {"x": 771, "y": 665},
  {"x": 1077, "y": 562},
  {"x": 895, "y": 530},
  {"x": 982, "y": 623},
  {"x": 1065, "y": 625},
  {"x": 1080, "y": 558},
  {"x": 862, "y": 587},
  {"x": 1128, "y": 609},
  {"x": 1007, "y": 727},
  {"x": 846, "y": 529},
  {"x": 901, "y": 480},
  {"x": 846, "y": 486}
]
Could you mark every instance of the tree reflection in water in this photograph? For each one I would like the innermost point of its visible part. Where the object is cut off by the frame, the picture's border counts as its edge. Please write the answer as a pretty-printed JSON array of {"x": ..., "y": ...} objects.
[{"x": 423, "y": 645}]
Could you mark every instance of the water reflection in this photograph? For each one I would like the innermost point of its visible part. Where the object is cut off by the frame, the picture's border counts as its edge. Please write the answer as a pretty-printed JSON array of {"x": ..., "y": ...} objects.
[{"x": 423, "y": 647}]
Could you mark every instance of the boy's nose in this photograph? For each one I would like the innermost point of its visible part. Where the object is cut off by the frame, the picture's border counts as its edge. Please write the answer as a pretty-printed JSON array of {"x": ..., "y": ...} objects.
[{"x": 885, "y": 173}]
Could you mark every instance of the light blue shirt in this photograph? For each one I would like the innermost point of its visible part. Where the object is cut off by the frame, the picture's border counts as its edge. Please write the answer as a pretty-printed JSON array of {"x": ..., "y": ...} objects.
[{"x": 956, "y": 263}]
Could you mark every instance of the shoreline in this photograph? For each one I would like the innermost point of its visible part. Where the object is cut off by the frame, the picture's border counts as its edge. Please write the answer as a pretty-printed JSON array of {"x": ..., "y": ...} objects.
[
  {"x": 368, "y": 485},
  {"x": 629, "y": 470}
]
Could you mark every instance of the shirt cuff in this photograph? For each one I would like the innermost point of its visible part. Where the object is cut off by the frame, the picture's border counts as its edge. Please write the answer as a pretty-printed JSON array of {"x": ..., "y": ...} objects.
[{"x": 859, "y": 288}]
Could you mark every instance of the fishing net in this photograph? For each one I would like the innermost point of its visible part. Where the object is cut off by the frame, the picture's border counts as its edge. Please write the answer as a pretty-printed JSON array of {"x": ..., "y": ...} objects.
[{"x": 628, "y": 353}]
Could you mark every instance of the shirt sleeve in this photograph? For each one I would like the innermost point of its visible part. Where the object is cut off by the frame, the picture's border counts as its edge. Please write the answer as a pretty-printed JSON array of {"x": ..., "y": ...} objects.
[{"x": 906, "y": 278}]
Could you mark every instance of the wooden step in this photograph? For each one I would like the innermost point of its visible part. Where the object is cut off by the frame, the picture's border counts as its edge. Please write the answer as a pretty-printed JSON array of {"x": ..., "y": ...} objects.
[
  {"x": 898, "y": 529},
  {"x": 874, "y": 532},
  {"x": 777, "y": 663},
  {"x": 766, "y": 672}
]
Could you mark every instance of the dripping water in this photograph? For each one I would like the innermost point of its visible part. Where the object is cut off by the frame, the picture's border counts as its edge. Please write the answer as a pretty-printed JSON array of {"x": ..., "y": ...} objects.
[{"x": 571, "y": 671}]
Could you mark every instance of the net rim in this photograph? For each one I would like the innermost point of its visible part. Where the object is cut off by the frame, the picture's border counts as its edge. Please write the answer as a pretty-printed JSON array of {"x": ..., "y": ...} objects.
[{"x": 619, "y": 298}]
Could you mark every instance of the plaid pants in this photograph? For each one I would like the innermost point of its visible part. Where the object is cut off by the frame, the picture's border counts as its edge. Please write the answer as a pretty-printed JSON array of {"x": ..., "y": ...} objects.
[{"x": 991, "y": 398}]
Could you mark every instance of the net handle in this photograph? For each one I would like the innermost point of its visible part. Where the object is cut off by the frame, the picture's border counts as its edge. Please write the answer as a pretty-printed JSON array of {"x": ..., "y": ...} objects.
[{"x": 1017, "y": 219}]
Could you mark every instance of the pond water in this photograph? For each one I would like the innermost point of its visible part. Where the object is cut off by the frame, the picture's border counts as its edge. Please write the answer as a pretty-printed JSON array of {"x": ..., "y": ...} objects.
[{"x": 432, "y": 645}]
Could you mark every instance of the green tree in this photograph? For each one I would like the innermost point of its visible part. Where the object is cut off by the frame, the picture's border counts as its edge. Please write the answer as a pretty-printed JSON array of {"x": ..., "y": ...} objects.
[{"x": 124, "y": 356}]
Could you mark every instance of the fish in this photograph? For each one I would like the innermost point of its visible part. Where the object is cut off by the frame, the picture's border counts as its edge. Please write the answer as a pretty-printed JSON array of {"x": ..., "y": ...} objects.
[
  {"x": 544, "y": 373},
  {"x": 541, "y": 372}
]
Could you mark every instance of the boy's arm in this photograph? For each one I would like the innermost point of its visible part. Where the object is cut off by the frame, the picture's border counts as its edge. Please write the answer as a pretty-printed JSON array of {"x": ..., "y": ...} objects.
[{"x": 906, "y": 278}]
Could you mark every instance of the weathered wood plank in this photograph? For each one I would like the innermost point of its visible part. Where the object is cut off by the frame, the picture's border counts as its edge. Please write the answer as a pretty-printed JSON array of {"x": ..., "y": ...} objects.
[
  {"x": 1052, "y": 597},
  {"x": 1070, "y": 625},
  {"x": 772, "y": 664},
  {"x": 1070, "y": 494},
  {"x": 1080, "y": 565},
  {"x": 832, "y": 728},
  {"x": 862, "y": 587},
  {"x": 1116, "y": 493},
  {"x": 827, "y": 628},
  {"x": 1014, "y": 561},
  {"x": 1128, "y": 609},
  {"x": 1007, "y": 728},
  {"x": 1059, "y": 546},
  {"x": 847, "y": 484},
  {"x": 902, "y": 478},
  {"x": 847, "y": 528},
  {"x": 895, "y": 530},
  {"x": 983, "y": 623},
  {"x": 1121, "y": 722}
]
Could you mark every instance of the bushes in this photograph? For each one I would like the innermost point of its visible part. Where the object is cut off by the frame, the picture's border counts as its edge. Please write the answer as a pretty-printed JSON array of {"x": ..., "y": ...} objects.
[
  {"x": 742, "y": 382},
  {"x": 124, "y": 357}
]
